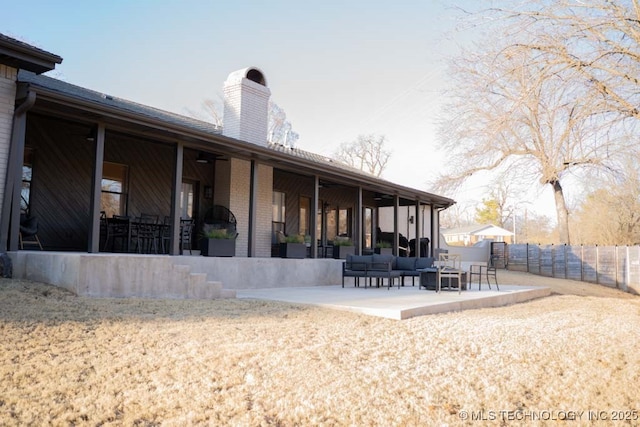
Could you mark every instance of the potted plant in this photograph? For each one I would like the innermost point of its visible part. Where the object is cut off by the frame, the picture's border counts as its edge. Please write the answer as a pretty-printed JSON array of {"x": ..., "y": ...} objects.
[
  {"x": 293, "y": 247},
  {"x": 343, "y": 246},
  {"x": 383, "y": 248},
  {"x": 217, "y": 242}
]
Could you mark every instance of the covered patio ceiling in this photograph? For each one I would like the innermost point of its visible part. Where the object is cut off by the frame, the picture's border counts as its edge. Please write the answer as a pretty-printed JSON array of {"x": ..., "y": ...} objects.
[{"x": 67, "y": 101}]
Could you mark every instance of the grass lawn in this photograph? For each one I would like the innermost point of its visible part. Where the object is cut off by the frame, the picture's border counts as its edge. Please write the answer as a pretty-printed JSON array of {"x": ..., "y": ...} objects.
[{"x": 68, "y": 360}]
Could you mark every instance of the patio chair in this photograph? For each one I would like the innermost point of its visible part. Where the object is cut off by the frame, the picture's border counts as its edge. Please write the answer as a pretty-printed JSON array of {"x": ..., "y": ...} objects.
[
  {"x": 221, "y": 217},
  {"x": 152, "y": 218},
  {"x": 165, "y": 235},
  {"x": 146, "y": 232},
  {"x": 486, "y": 270},
  {"x": 476, "y": 270},
  {"x": 492, "y": 271},
  {"x": 104, "y": 230},
  {"x": 118, "y": 228},
  {"x": 29, "y": 232},
  {"x": 450, "y": 268},
  {"x": 186, "y": 231}
]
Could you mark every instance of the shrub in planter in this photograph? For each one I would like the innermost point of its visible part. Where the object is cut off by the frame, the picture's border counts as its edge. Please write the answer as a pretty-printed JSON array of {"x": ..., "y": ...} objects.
[
  {"x": 218, "y": 242},
  {"x": 293, "y": 247},
  {"x": 343, "y": 246},
  {"x": 383, "y": 248}
]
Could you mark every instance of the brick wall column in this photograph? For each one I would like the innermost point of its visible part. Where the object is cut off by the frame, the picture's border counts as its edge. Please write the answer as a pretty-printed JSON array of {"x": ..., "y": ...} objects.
[{"x": 237, "y": 173}]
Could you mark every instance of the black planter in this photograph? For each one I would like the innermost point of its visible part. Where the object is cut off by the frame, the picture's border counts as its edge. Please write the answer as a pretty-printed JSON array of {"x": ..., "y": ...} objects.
[
  {"x": 384, "y": 251},
  {"x": 218, "y": 247},
  {"x": 341, "y": 252},
  {"x": 293, "y": 250}
]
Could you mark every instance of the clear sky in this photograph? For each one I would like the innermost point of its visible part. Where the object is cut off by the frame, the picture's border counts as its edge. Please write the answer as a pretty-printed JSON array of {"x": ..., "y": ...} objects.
[{"x": 337, "y": 68}]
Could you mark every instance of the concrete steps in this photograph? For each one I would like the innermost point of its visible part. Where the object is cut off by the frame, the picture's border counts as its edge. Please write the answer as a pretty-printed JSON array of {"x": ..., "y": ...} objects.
[
  {"x": 183, "y": 283},
  {"x": 198, "y": 287}
]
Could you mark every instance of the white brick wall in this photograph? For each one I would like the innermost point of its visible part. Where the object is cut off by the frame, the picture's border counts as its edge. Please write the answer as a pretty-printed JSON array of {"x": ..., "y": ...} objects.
[
  {"x": 8, "y": 78},
  {"x": 233, "y": 189},
  {"x": 246, "y": 109}
]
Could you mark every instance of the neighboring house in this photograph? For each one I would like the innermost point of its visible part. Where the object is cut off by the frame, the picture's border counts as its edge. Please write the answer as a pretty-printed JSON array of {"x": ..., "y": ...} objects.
[
  {"x": 472, "y": 234},
  {"x": 68, "y": 153}
]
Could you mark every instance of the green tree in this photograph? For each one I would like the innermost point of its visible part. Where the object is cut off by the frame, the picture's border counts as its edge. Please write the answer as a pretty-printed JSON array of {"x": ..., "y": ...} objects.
[{"x": 489, "y": 213}]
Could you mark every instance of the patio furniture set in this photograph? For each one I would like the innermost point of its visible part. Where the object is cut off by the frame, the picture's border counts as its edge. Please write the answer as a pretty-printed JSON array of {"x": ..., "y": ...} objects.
[
  {"x": 431, "y": 276},
  {"x": 142, "y": 234}
]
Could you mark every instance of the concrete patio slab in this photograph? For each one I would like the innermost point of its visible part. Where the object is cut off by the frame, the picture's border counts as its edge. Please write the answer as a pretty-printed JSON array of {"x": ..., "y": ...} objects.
[{"x": 394, "y": 303}]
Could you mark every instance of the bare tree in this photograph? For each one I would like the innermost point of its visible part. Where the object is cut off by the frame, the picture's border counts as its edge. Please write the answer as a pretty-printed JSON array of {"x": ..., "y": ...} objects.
[
  {"x": 535, "y": 228},
  {"x": 210, "y": 111},
  {"x": 599, "y": 39},
  {"x": 456, "y": 216},
  {"x": 366, "y": 153},
  {"x": 516, "y": 110},
  {"x": 610, "y": 215},
  {"x": 280, "y": 130}
]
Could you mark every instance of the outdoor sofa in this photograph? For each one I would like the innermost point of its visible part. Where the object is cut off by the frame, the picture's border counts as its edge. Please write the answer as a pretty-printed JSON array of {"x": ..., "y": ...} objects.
[{"x": 383, "y": 266}]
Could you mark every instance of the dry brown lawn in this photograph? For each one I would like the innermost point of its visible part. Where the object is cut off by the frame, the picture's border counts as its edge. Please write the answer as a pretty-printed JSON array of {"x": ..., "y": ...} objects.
[{"x": 67, "y": 360}]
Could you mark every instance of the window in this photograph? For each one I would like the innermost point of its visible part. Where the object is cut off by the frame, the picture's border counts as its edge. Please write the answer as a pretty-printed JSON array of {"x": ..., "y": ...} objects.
[
  {"x": 27, "y": 171},
  {"x": 278, "y": 216},
  {"x": 331, "y": 224},
  {"x": 305, "y": 216},
  {"x": 186, "y": 200},
  {"x": 319, "y": 221},
  {"x": 113, "y": 200},
  {"x": 344, "y": 222},
  {"x": 368, "y": 228}
]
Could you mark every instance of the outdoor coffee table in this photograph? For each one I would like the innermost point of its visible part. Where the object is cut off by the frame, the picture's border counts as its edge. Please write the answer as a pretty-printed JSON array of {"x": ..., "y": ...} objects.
[{"x": 428, "y": 278}]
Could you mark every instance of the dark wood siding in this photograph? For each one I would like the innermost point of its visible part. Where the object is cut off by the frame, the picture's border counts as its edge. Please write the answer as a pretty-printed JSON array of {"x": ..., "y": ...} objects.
[
  {"x": 62, "y": 173},
  {"x": 295, "y": 186},
  {"x": 61, "y": 181},
  {"x": 150, "y": 172}
]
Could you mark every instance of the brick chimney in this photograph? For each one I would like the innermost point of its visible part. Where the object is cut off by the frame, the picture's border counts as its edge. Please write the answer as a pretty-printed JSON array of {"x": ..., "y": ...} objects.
[{"x": 246, "y": 106}]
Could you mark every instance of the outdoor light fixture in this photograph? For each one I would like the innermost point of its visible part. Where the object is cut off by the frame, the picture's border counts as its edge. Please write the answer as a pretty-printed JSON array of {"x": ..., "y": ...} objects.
[
  {"x": 201, "y": 158},
  {"x": 209, "y": 157},
  {"x": 91, "y": 136}
]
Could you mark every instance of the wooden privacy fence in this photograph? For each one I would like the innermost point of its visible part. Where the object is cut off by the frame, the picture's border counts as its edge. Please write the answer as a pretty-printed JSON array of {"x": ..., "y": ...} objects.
[{"x": 613, "y": 266}]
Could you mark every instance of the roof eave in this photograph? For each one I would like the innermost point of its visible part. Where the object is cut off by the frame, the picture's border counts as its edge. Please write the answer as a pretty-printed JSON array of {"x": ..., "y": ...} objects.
[
  {"x": 26, "y": 57},
  {"x": 251, "y": 150}
]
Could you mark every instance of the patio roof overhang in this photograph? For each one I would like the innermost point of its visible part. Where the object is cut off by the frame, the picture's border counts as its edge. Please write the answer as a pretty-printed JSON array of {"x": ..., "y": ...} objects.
[
  {"x": 67, "y": 101},
  {"x": 20, "y": 55}
]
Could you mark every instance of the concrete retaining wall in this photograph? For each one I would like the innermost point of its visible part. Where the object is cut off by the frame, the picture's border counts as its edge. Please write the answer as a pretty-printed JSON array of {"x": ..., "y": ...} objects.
[
  {"x": 163, "y": 276},
  {"x": 257, "y": 273}
]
